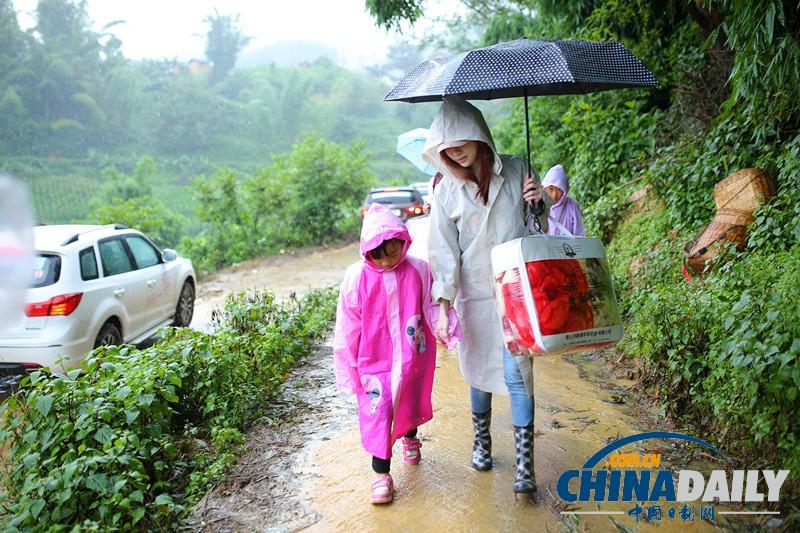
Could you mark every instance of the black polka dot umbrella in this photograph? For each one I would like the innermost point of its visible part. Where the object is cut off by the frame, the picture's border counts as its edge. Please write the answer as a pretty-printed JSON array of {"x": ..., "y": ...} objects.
[{"x": 525, "y": 67}]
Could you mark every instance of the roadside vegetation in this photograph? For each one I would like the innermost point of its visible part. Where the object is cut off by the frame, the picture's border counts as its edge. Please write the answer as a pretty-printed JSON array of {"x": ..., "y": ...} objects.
[
  {"x": 135, "y": 437},
  {"x": 309, "y": 196}
]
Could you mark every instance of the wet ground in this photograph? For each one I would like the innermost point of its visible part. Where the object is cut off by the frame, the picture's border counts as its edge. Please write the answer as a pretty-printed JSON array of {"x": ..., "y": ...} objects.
[
  {"x": 282, "y": 274},
  {"x": 305, "y": 468}
]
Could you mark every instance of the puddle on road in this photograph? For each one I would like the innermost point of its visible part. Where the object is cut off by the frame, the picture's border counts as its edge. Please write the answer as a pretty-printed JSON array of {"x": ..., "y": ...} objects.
[{"x": 574, "y": 419}]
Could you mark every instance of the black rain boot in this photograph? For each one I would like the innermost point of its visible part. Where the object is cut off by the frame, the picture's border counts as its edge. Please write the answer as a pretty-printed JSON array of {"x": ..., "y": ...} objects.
[
  {"x": 524, "y": 479},
  {"x": 482, "y": 447}
]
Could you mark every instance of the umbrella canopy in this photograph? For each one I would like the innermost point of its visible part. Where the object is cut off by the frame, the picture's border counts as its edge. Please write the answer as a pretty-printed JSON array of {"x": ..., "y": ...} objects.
[
  {"x": 410, "y": 144},
  {"x": 525, "y": 67}
]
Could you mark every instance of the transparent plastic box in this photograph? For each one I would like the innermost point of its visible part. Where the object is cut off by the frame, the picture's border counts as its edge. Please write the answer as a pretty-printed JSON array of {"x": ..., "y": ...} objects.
[{"x": 555, "y": 295}]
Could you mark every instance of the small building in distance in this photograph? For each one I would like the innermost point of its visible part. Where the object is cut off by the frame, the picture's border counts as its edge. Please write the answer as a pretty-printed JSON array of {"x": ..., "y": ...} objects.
[{"x": 199, "y": 66}]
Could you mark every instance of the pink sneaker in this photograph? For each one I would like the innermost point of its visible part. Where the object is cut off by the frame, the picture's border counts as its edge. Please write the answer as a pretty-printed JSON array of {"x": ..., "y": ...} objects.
[
  {"x": 411, "y": 453},
  {"x": 382, "y": 490}
]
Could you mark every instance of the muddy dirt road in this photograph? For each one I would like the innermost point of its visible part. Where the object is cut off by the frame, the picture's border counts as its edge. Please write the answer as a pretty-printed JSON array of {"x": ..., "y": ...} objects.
[
  {"x": 282, "y": 274},
  {"x": 305, "y": 468}
]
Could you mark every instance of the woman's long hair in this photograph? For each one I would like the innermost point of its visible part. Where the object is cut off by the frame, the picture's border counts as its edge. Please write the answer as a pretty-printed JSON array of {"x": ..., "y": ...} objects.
[{"x": 485, "y": 163}]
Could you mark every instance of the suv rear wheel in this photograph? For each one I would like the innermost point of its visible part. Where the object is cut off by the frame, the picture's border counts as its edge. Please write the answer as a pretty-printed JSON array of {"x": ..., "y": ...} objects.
[
  {"x": 109, "y": 335},
  {"x": 185, "y": 308}
]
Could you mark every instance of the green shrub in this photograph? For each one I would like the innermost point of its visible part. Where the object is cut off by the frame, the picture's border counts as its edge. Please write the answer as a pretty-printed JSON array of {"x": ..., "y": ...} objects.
[
  {"x": 777, "y": 224},
  {"x": 145, "y": 214},
  {"x": 645, "y": 251},
  {"x": 132, "y": 439},
  {"x": 309, "y": 196},
  {"x": 724, "y": 352}
]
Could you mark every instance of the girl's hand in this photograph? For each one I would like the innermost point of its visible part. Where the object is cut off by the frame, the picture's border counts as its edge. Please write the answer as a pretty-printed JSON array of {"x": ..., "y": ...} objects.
[
  {"x": 531, "y": 190},
  {"x": 443, "y": 328},
  {"x": 443, "y": 325}
]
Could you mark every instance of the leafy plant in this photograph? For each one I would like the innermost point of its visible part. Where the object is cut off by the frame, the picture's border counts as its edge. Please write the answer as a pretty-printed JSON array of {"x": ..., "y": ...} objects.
[
  {"x": 309, "y": 196},
  {"x": 133, "y": 438}
]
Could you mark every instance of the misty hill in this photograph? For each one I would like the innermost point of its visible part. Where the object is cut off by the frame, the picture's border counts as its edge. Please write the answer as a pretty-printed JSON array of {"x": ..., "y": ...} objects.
[{"x": 287, "y": 53}]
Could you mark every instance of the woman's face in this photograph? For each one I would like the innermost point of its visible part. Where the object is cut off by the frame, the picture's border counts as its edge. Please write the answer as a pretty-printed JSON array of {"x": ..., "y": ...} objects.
[
  {"x": 554, "y": 192},
  {"x": 465, "y": 154},
  {"x": 388, "y": 255}
]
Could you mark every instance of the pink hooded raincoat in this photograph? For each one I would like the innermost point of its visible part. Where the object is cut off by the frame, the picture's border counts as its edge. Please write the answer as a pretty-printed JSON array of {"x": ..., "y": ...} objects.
[{"x": 384, "y": 348}]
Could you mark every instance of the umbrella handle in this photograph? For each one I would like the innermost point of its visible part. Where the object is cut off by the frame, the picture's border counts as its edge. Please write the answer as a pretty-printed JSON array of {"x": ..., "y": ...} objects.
[{"x": 538, "y": 208}]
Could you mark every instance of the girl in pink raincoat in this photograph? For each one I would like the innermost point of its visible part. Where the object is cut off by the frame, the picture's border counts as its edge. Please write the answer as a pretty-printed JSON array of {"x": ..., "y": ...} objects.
[{"x": 384, "y": 347}]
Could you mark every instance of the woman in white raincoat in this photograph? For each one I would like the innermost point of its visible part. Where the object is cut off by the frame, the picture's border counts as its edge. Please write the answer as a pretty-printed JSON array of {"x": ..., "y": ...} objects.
[{"x": 477, "y": 205}]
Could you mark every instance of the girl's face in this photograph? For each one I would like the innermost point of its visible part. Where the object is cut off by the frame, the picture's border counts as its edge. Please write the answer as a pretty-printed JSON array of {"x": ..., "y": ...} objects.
[
  {"x": 465, "y": 154},
  {"x": 388, "y": 254},
  {"x": 554, "y": 192}
]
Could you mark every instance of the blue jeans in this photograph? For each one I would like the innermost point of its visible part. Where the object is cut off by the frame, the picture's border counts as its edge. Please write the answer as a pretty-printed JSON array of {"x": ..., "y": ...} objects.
[{"x": 521, "y": 403}]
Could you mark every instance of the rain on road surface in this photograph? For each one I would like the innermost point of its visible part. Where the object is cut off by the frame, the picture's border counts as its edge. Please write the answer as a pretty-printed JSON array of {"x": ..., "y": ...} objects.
[{"x": 578, "y": 411}]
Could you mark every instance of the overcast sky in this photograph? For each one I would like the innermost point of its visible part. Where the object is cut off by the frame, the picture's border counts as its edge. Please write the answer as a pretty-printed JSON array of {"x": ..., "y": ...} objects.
[{"x": 175, "y": 28}]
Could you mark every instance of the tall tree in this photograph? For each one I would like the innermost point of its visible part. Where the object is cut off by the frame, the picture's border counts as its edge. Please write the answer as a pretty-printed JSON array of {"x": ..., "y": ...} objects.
[
  {"x": 224, "y": 41},
  {"x": 13, "y": 56},
  {"x": 12, "y": 39},
  {"x": 70, "y": 64}
]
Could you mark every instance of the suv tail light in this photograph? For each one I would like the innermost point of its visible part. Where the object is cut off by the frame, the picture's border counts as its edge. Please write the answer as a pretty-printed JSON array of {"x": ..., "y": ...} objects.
[
  {"x": 414, "y": 210},
  {"x": 61, "y": 305},
  {"x": 363, "y": 211}
]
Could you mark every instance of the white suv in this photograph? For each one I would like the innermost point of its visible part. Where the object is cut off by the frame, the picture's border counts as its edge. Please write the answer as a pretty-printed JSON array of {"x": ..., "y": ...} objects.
[{"x": 95, "y": 285}]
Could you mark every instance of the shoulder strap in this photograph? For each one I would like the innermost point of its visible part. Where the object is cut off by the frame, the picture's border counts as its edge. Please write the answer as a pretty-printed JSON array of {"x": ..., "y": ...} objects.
[{"x": 560, "y": 226}]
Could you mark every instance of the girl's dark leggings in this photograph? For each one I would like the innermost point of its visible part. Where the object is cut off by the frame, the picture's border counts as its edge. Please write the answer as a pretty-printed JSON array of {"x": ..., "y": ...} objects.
[{"x": 382, "y": 466}]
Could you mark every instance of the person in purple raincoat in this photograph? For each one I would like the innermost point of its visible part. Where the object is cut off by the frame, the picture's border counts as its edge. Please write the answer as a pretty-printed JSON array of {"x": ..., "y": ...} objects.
[
  {"x": 384, "y": 345},
  {"x": 565, "y": 211}
]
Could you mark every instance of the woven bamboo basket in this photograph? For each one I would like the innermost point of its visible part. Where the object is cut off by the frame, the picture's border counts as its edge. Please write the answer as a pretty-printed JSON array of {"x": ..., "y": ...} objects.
[
  {"x": 734, "y": 217},
  {"x": 744, "y": 190},
  {"x": 707, "y": 244}
]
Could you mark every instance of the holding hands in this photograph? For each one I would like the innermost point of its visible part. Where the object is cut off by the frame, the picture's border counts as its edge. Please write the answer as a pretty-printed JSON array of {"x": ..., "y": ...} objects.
[{"x": 442, "y": 332}]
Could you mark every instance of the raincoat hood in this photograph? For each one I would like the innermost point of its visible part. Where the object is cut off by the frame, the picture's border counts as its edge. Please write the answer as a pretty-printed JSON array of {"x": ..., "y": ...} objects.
[
  {"x": 557, "y": 178},
  {"x": 566, "y": 212},
  {"x": 379, "y": 225},
  {"x": 457, "y": 120}
]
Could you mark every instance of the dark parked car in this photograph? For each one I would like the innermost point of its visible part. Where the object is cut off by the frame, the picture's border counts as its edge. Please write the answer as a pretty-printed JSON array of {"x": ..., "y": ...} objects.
[{"x": 405, "y": 202}]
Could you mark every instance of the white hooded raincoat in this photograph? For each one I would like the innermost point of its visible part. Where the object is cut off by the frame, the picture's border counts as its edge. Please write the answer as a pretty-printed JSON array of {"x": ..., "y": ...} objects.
[{"x": 462, "y": 234}]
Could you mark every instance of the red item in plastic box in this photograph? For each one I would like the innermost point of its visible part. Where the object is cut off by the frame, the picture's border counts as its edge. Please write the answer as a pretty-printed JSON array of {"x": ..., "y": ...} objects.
[
  {"x": 561, "y": 295},
  {"x": 516, "y": 311},
  {"x": 569, "y": 302}
]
